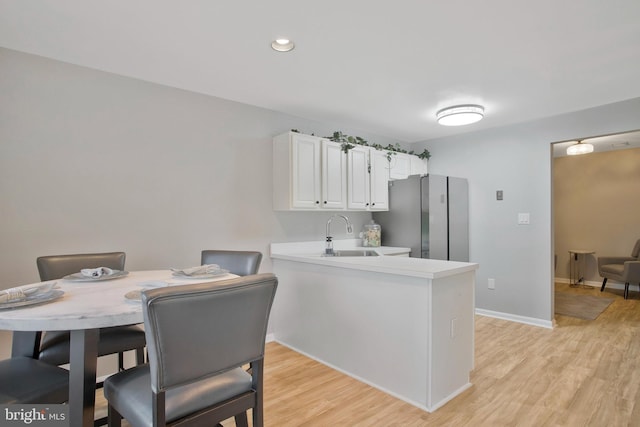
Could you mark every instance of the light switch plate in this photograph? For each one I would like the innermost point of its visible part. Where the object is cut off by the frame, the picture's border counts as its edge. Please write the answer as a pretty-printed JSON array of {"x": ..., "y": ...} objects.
[
  {"x": 523, "y": 218},
  {"x": 499, "y": 195}
]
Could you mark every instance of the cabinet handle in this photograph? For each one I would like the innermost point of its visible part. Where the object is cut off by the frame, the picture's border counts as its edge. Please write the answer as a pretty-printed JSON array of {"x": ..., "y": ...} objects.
[
  {"x": 373, "y": 204},
  {"x": 325, "y": 202},
  {"x": 317, "y": 202},
  {"x": 366, "y": 204}
]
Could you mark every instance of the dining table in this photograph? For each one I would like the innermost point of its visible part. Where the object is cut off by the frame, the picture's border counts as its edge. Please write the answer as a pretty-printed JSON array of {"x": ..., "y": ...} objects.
[{"x": 83, "y": 306}]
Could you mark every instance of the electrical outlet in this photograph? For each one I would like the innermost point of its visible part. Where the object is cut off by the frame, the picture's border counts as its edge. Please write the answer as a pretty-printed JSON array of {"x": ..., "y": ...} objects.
[
  {"x": 454, "y": 327},
  {"x": 524, "y": 219},
  {"x": 492, "y": 283}
]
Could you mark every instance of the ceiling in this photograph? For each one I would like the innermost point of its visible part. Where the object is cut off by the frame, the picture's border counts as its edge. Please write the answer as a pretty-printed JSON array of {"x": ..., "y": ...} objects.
[{"x": 384, "y": 67}]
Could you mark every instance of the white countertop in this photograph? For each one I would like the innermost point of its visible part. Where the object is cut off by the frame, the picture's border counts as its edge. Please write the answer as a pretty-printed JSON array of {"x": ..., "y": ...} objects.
[{"x": 311, "y": 252}]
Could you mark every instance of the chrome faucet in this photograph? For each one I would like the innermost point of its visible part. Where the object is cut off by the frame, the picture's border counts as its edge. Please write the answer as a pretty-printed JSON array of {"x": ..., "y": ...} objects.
[{"x": 329, "y": 249}]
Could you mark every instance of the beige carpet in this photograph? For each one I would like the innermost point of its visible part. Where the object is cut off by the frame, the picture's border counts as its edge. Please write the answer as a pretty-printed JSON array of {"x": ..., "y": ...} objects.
[{"x": 582, "y": 306}]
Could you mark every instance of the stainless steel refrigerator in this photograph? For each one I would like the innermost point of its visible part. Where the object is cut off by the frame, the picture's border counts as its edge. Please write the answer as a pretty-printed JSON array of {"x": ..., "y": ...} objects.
[{"x": 430, "y": 215}]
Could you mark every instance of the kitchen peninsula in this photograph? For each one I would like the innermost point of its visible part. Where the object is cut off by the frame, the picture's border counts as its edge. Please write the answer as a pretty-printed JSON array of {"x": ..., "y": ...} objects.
[{"x": 403, "y": 325}]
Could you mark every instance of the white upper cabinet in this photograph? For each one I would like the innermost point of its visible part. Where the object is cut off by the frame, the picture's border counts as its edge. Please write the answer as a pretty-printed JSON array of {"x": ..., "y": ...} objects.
[
  {"x": 400, "y": 164},
  {"x": 313, "y": 173},
  {"x": 358, "y": 182},
  {"x": 379, "y": 180},
  {"x": 305, "y": 172},
  {"x": 418, "y": 166},
  {"x": 368, "y": 179},
  {"x": 403, "y": 165},
  {"x": 334, "y": 176},
  {"x": 308, "y": 173}
]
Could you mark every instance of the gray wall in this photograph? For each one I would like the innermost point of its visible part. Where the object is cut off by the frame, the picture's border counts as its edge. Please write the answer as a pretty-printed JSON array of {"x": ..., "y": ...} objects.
[{"x": 517, "y": 159}]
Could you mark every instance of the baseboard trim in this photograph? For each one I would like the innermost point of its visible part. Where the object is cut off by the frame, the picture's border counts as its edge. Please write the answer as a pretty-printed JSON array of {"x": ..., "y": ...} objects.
[{"x": 515, "y": 318}]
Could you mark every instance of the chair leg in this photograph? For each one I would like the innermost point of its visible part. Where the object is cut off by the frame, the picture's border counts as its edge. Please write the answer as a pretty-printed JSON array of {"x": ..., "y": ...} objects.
[
  {"x": 140, "y": 356},
  {"x": 604, "y": 282},
  {"x": 241, "y": 420},
  {"x": 121, "y": 361},
  {"x": 114, "y": 419},
  {"x": 626, "y": 290}
]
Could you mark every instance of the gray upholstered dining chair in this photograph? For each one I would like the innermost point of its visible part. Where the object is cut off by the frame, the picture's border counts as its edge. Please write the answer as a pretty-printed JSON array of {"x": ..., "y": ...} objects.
[
  {"x": 195, "y": 372},
  {"x": 54, "y": 348},
  {"x": 27, "y": 380},
  {"x": 625, "y": 269},
  {"x": 242, "y": 263}
]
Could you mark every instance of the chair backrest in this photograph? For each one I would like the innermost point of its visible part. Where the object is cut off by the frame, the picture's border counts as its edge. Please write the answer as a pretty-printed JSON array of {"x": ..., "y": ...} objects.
[
  {"x": 636, "y": 250},
  {"x": 54, "y": 267},
  {"x": 225, "y": 328},
  {"x": 242, "y": 263}
]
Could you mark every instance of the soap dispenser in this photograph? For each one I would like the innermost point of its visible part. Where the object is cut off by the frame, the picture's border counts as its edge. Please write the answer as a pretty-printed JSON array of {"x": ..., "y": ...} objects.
[{"x": 371, "y": 234}]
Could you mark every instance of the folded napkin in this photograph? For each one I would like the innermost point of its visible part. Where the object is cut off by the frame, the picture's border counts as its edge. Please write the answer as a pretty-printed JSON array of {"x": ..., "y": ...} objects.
[
  {"x": 196, "y": 271},
  {"x": 96, "y": 272},
  {"x": 20, "y": 294},
  {"x": 12, "y": 295}
]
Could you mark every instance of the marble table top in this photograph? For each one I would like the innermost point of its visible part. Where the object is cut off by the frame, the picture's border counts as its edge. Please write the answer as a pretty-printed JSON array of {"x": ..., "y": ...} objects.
[{"x": 87, "y": 305}]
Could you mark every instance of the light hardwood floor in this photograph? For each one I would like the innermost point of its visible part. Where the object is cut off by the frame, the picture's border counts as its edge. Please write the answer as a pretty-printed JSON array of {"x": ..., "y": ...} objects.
[{"x": 582, "y": 373}]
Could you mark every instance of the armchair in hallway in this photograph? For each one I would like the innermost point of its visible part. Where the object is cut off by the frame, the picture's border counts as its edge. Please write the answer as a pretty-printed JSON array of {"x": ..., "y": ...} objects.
[{"x": 625, "y": 269}]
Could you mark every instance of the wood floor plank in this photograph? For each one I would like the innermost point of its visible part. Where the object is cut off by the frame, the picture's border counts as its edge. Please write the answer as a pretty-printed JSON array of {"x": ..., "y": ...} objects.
[{"x": 581, "y": 373}]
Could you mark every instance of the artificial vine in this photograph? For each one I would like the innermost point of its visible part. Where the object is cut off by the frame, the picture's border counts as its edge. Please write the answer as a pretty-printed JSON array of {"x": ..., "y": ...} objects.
[{"x": 348, "y": 142}]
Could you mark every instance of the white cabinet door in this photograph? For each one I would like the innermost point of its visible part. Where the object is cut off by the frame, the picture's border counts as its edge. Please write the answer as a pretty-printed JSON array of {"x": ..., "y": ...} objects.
[
  {"x": 334, "y": 176},
  {"x": 400, "y": 166},
  {"x": 308, "y": 173},
  {"x": 368, "y": 179},
  {"x": 379, "y": 180},
  {"x": 305, "y": 171},
  {"x": 418, "y": 166},
  {"x": 358, "y": 185},
  {"x": 403, "y": 165}
]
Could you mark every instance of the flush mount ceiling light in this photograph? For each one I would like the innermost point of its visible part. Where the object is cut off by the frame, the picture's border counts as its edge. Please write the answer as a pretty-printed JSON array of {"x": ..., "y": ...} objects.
[
  {"x": 282, "y": 45},
  {"x": 579, "y": 148},
  {"x": 460, "y": 115}
]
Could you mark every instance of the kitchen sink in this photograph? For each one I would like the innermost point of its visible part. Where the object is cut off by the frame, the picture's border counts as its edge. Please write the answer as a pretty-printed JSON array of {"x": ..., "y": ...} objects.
[{"x": 347, "y": 253}]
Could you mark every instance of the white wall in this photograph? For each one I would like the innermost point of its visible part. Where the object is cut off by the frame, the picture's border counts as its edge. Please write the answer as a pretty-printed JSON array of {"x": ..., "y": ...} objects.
[
  {"x": 91, "y": 161},
  {"x": 517, "y": 159}
]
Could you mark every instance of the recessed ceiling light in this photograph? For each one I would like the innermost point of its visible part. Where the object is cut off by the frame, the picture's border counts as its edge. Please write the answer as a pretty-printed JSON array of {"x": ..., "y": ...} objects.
[
  {"x": 460, "y": 115},
  {"x": 282, "y": 45}
]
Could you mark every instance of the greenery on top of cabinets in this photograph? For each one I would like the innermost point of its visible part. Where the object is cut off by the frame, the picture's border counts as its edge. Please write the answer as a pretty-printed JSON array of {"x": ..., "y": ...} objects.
[
  {"x": 425, "y": 155},
  {"x": 348, "y": 142}
]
